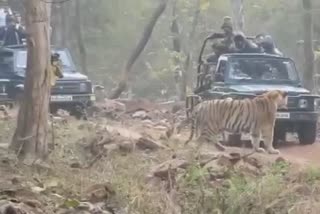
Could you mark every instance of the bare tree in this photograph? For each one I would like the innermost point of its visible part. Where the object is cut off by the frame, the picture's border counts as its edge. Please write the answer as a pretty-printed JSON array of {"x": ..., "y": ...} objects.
[
  {"x": 180, "y": 74},
  {"x": 238, "y": 14},
  {"x": 30, "y": 137},
  {"x": 122, "y": 85},
  {"x": 80, "y": 41},
  {"x": 308, "y": 45}
]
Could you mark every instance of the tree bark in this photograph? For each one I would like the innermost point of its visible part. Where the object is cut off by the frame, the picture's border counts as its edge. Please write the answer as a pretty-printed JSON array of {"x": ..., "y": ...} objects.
[
  {"x": 57, "y": 23},
  {"x": 238, "y": 14},
  {"x": 191, "y": 42},
  {"x": 30, "y": 137},
  {"x": 308, "y": 45},
  {"x": 180, "y": 74},
  {"x": 122, "y": 85},
  {"x": 80, "y": 41}
]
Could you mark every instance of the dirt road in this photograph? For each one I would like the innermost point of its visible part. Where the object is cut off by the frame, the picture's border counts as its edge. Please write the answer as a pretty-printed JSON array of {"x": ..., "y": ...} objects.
[{"x": 309, "y": 154}]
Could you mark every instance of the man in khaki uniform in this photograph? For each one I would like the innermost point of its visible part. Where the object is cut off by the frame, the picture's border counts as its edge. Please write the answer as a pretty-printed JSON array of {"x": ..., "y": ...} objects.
[{"x": 55, "y": 71}]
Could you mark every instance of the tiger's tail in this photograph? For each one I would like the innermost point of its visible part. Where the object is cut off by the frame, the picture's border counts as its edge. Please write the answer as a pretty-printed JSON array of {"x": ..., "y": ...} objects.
[{"x": 193, "y": 127}]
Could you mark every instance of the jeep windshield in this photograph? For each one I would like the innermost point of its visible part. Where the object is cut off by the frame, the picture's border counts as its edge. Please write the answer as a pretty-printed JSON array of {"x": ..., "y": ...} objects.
[
  {"x": 21, "y": 60},
  {"x": 261, "y": 70}
]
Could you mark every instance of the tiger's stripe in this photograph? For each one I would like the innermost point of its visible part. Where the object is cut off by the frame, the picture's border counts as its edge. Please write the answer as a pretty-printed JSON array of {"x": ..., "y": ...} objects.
[{"x": 255, "y": 116}]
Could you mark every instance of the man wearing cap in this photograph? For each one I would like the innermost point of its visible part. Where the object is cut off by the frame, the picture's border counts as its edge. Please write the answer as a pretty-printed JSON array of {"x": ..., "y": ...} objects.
[
  {"x": 223, "y": 41},
  {"x": 55, "y": 71}
]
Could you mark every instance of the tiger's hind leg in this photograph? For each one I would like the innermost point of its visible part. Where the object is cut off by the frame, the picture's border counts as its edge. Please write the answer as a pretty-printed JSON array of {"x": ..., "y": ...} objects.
[
  {"x": 267, "y": 135},
  {"x": 210, "y": 135}
]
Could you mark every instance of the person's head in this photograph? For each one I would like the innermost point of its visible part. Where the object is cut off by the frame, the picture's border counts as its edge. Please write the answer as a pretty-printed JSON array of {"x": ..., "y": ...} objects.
[
  {"x": 55, "y": 57},
  {"x": 240, "y": 41},
  {"x": 227, "y": 25},
  {"x": 268, "y": 44},
  {"x": 259, "y": 38},
  {"x": 18, "y": 18}
]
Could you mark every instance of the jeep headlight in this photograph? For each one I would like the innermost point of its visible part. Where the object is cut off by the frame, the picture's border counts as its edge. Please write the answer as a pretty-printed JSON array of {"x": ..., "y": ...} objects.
[
  {"x": 83, "y": 87},
  {"x": 316, "y": 104},
  {"x": 303, "y": 103},
  {"x": 3, "y": 89}
]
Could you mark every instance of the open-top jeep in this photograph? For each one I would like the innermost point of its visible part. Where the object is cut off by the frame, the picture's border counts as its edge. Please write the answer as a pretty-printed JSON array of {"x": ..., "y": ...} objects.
[
  {"x": 73, "y": 92},
  {"x": 245, "y": 75}
]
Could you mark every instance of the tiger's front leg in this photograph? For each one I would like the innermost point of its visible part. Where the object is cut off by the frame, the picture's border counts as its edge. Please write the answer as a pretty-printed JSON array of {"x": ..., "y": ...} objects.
[
  {"x": 217, "y": 144},
  {"x": 255, "y": 142},
  {"x": 267, "y": 135}
]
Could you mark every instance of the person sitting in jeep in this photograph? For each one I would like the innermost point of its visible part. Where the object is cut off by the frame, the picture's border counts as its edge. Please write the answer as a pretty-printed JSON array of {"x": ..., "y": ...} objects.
[
  {"x": 267, "y": 44},
  {"x": 223, "y": 42},
  {"x": 10, "y": 34},
  {"x": 243, "y": 45},
  {"x": 55, "y": 68}
]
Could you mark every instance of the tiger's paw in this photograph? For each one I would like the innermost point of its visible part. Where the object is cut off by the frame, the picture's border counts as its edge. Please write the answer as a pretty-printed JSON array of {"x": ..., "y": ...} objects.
[
  {"x": 274, "y": 151},
  {"x": 260, "y": 150}
]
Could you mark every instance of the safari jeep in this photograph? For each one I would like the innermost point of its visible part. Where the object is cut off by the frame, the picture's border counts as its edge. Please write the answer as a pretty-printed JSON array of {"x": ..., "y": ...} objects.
[
  {"x": 247, "y": 75},
  {"x": 73, "y": 92}
]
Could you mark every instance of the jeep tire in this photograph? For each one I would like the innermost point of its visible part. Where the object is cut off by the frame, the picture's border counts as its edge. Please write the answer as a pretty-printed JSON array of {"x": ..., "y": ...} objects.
[
  {"x": 279, "y": 135},
  {"x": 234, "y": 140},
  {"x": 307, "y": 132}
]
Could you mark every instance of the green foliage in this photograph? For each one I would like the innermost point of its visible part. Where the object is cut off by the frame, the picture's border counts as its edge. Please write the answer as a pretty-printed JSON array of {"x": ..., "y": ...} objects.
[
  {"x": 113, "y": 28},
  {"x": 312, "y": 174}
]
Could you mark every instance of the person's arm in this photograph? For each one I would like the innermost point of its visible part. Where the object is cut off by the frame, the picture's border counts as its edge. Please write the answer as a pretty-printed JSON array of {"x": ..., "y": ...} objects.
[
  {"x": 2, "y": 33},
  {"x": 216, "y": 36},
  {"x": 22, "y": 33}
]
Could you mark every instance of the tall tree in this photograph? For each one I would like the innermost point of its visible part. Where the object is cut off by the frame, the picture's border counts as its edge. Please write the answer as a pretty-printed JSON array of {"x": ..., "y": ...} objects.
[
  {"x": 238, "y": 14},
  {"x": 79, "y": 33},
  {"x": 308, "y": 45},
  {"x": 180, "y": 74},
  {"x": 30, "y": 137},
  {"x": 122, "y": 85}
]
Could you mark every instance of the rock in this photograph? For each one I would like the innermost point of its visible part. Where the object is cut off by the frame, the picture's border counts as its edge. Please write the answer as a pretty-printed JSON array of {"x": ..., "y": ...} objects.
[
  {"x": 280, "y": 160},
  {"x": 111, "y": 147},
  {"x": 140, "y": 115},
  {"x": 75, "y": 165},
  {"x": 99, "y": 192},
  {"x": 146, "y": 143},
  {"x": 161, "y": 128},
  {"x": 126, "y": 146},
  {"x": 87, "y": 126},
  {"x": 113, "y": 105},
  {"x": 138, "y": 104},
  {"x": 62, "y": 113},
  {"x": 162, "y": 170}
]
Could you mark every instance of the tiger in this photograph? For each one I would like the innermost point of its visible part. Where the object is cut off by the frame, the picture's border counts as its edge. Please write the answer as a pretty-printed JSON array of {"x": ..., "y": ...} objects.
[{"x": 255, "y": 116}]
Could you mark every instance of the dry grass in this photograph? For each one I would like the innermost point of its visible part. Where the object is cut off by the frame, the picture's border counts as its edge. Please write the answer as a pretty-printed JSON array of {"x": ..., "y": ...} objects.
[{"x": 277, "y": 191}]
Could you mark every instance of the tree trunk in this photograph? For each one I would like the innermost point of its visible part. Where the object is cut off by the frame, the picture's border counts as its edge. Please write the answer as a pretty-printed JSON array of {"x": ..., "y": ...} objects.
[
  {"x": 30, "y": 137},
  {"x": 308, "y": 46},
  {"x": 238, "y": 14},
  {"x": 180, "y": 74},
  {"x": 57, "y": 24},
  {"x": 80, "y": 41},
  {"x": 191, "y": 43},
  {"x": 122, "y": 85}
]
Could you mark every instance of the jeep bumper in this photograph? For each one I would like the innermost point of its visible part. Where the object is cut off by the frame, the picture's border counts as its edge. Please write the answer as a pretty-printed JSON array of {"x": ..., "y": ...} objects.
[
  {"x": 5, "y": 100},
  {"x": 84, "y": 99},
  {"x": 298, "y": 116}
]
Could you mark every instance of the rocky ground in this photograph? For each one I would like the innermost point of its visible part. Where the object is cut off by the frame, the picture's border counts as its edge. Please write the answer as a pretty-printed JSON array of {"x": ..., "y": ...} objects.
[{"x": 126, "y": 158}]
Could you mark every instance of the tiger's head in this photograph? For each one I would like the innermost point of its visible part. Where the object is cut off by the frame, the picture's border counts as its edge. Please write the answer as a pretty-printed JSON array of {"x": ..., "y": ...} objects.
[{"x": 280, "y": 98}]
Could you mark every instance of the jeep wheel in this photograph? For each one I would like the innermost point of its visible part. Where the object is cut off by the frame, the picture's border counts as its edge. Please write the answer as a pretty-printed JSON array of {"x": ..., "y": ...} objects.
[
  {"x": 234, "y": 140},
  {"x": 307, "y": 133},
  {"x": 279, "y": 135},
  {"x": 78, "y": 112}
]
